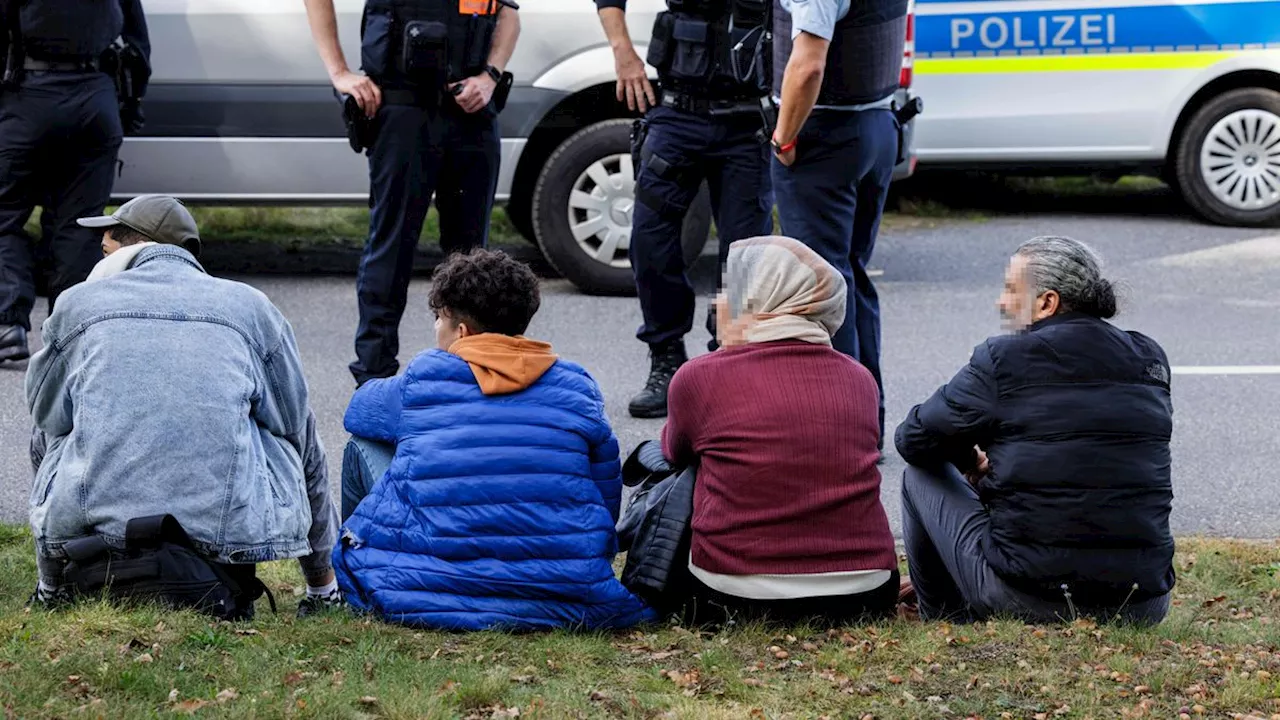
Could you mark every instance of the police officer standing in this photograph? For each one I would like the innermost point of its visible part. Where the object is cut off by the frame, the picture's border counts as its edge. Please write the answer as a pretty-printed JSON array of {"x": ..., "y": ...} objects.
[
  {"x": 707, "y": 122},
  {"x": 61, "y": 126},
  {"x": 837, "y": 66},
  {"x": 433, "y": 86}
]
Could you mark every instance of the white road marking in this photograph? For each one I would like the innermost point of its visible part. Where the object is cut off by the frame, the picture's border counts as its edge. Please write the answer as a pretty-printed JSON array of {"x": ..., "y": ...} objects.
[
  {"x": 1226, "y": 369},
  {"x": 1258, "y": 252}
]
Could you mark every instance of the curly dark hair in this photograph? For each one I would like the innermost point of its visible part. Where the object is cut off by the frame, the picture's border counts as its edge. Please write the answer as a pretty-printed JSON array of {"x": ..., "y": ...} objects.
[{"x": 488, "y": 290}]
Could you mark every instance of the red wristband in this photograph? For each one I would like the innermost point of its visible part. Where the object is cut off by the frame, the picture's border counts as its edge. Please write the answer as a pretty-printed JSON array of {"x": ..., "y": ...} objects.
[{"x": 779, "y": 149}]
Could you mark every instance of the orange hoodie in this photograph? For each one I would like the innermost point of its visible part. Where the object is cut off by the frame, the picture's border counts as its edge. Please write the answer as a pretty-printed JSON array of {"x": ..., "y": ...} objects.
[{"x": 503, "y": 363}]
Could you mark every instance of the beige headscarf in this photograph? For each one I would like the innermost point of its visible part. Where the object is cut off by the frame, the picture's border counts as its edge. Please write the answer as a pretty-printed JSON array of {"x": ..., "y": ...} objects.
[{"x": 776, "y": 288}]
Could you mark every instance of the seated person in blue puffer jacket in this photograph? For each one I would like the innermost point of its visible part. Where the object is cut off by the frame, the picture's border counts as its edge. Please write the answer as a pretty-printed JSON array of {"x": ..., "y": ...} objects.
[{"x": 482, "y": 486}]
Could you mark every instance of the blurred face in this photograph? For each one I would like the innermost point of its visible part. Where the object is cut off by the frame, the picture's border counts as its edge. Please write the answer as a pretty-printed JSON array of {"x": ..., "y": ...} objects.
[
  {"x": 1019, "y": 306},
  {"x": 109, "y": 244},
  {"x": 448, "y": 330},
  {"x": 728, "y": 332}
]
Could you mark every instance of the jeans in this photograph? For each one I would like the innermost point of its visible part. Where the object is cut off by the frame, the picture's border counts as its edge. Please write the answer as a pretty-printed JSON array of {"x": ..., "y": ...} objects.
[
  {"x": 683, "y": 149},
  {"x": 59, "y": 137},
  {"x": 315, "y": 566},
  {"x": 364, "y": 462},
  {"x": 831, "y": 199},
  {"x": 418, "y": 153},
  {"x": 943, "y": 523}
]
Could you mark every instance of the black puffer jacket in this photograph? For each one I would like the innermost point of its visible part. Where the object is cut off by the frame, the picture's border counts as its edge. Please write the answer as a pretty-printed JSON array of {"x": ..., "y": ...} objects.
[{"x": 1075, "y": 417}]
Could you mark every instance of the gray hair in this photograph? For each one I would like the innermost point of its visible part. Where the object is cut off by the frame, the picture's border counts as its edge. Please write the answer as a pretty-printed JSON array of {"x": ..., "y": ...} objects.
[{"x": 1073, "y": 270}]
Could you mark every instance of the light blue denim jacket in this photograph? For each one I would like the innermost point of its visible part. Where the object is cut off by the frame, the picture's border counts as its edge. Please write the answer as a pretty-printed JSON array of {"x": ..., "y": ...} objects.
[{"x": 164, "y": 390}]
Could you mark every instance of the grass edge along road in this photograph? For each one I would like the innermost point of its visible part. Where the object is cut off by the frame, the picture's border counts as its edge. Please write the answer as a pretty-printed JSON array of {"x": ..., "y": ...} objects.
[{"x": 1216, "y": 656}]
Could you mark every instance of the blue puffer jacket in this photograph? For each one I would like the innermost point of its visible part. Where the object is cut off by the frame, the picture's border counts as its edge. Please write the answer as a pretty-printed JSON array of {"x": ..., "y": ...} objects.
[{"x": 498, "y": 510}]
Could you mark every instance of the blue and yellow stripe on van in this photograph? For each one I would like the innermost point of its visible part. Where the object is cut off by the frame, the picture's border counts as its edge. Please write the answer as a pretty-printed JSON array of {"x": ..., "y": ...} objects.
[{"x": 1020, "y": 36}]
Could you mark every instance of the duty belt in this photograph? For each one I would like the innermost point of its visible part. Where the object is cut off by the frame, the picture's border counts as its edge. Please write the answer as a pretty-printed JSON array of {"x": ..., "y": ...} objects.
[
  {"x": 80, "y": 65},
  {"x": 704, "y": 106}
]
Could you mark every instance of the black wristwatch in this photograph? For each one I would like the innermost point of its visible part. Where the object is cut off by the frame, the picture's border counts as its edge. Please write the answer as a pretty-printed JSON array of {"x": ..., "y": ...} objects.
[{"x": 493, "y": 73}]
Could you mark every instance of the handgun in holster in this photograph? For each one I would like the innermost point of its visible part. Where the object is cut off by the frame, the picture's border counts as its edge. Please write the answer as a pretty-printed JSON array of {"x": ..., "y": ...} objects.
[
  {"x": 10, "y": 46},
  {"x": 768, "y": 120},
  {"x": 639, "y": 133},
  {"x": 359, "y": 127},
  {"x": 904, "y": 115}
]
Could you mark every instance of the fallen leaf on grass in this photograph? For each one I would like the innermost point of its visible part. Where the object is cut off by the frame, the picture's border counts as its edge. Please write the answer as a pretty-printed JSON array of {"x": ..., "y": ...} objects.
[
  {"x": 190, "y": 706},
  {"x": 227, "y": 695},
  {"x": 247, "y": 631},
  {"x": 173, "y": 695},
  {"x": 368, "y": 701},
  {"x": 753, "y": 682},
  {"x": 1213, "y": 601},
  {"x": 895, "y": 680},
  {"x": 144, "y": 658},
  {"x": 598, "y": 696}
]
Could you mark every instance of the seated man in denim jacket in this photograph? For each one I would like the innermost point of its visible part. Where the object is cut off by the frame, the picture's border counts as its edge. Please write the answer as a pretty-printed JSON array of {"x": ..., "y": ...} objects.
[{"x": 162, "y": 390}]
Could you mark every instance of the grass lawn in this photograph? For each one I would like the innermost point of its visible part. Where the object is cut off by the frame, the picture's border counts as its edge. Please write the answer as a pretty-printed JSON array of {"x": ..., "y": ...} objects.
[{"x": 1217, "y": 656}]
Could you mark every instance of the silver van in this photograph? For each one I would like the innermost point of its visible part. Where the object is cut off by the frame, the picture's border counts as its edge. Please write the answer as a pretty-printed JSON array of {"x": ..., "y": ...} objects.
[{"x": 240, "y": 111}]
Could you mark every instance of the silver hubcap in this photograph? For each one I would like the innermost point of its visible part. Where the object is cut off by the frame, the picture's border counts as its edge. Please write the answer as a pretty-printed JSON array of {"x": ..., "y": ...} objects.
[
  {"x": 600, "y": 207},
  {"x": 1240, "y": 160}
]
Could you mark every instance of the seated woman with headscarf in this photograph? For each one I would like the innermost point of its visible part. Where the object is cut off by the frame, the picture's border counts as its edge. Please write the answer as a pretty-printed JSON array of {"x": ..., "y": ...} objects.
[{"x": 787, "y": 520}]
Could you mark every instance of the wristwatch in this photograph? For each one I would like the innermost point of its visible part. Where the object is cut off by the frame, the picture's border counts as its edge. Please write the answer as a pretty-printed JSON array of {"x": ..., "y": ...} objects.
[{"x": 493, "y": 73}]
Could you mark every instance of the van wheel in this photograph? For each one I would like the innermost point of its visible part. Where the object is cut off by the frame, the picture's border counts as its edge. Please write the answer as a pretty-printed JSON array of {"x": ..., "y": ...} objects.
[
  {"x": 582, "y": 205},
  {"x": 1229, "y": 158}
]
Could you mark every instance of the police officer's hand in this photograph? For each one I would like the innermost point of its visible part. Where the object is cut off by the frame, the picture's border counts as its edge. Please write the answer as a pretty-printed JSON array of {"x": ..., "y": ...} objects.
[
  {"x": 633, "y": 82},
  {"x": 476, "y": 93},
  {"x": 366, "y": 92}
]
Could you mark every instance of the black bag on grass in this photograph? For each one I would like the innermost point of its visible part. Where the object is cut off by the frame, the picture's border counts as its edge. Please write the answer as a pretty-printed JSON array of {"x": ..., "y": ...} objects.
[{"x": 160, "y": 564}]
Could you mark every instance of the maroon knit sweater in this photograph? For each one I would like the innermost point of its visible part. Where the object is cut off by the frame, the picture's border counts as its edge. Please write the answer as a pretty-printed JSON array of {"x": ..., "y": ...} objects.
[{"x": 786, "y": 435}]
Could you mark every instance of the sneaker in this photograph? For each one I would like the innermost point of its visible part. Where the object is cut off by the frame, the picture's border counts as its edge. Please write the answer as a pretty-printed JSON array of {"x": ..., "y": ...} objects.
[
  {"x": 48, "y": 601},
  {"x": 317, "y": 604},
  {"x": 652, "y": 401},
  {"x": 13, "y": 343}
]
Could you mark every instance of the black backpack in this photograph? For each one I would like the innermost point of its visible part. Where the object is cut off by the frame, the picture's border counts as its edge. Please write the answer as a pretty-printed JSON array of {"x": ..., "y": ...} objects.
[{"x": 160, "y": 564}]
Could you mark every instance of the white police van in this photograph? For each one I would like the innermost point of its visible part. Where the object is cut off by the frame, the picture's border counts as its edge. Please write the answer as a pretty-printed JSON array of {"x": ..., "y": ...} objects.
[{"x": 1188, "y": 90}]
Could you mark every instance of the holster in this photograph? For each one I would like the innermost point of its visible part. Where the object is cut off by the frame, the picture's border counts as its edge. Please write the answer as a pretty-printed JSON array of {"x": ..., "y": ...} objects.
[
  {"x": 359, "y": 127},
  {"x": 639, "y": 133},
  {"x": 131, "y": 73}
]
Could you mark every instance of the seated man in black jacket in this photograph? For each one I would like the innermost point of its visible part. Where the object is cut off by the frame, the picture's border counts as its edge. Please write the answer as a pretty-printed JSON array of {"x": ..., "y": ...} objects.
[{"x": 1039, "y": 485}]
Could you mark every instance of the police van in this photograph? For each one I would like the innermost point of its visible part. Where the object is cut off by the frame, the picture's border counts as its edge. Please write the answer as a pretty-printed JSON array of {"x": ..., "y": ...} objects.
[
  {"x": 1187, "y": 90},
  {"x": 240, "y": 111}
]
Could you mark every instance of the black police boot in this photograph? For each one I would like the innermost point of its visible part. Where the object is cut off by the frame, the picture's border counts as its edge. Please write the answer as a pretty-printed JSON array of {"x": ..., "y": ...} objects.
[
  {"x": 652, "y": 401},
  {"x": 13, "y": 343}
]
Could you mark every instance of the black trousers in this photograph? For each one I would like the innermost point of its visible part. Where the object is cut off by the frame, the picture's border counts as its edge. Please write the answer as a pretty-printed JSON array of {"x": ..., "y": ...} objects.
[
  {"x": 943, "y": 523},
  {"x": 60, "y": 135},
  {"x": 418, "y": 153},
  {"x": 682, "y": 150},
  {"x": 712, "y": 607}
]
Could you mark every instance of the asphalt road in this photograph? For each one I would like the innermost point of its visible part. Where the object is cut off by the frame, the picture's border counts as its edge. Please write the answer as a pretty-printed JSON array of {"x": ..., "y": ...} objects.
[{"x": 1208, "y": 294}]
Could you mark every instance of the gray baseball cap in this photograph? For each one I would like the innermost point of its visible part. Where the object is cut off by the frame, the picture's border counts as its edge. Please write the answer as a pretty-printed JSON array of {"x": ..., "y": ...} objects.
[{"x": 160, "y": 217}]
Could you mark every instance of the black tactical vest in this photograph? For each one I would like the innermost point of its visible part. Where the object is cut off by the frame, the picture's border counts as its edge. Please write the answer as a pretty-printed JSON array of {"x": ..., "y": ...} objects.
[
  {"x": 864, "y": 61},
  {"x": 69, "y": 29},
  {"x": 426, "y": 44},
  {"x": 714, "y": 48}
]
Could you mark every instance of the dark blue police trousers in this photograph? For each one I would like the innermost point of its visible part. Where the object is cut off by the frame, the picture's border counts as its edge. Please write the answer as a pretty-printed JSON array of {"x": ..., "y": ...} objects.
[
  {"x": 60, "y": 135},
  {"x": 416, "y": 154},
  {"x": 681, "y": 151},
  {"x": 831, "y": 199}
]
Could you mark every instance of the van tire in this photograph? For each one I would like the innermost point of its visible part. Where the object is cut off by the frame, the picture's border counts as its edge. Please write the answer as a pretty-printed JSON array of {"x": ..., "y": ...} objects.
[
  {"x": 550, "y": 215},
  {"x": 1194, "y": 187}
]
